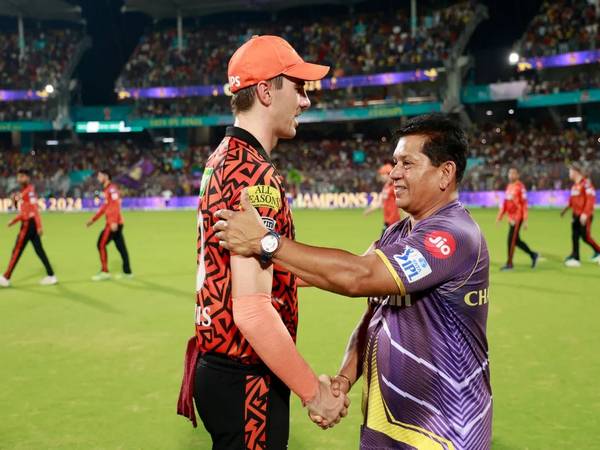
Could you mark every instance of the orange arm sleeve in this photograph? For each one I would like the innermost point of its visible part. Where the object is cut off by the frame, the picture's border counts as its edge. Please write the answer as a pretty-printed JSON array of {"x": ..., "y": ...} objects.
[{"x": 260, "y": 324}]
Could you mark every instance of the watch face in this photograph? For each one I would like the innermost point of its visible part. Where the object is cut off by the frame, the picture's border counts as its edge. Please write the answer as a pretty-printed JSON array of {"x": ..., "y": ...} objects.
[{"x": 269, "y": 243}]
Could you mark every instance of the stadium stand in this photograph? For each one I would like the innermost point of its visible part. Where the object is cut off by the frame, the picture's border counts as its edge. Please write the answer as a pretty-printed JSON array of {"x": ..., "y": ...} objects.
[
  {"x": 25, "y": 110},
  {"x": 561, "y": 27},
  {"x": 351, "y": 44},
  {"x": 571, "y": 82},
  {"x": 46, "y": 56},
  {"x": 540, "y": 151},
  {"x": 327, "y": 165}
]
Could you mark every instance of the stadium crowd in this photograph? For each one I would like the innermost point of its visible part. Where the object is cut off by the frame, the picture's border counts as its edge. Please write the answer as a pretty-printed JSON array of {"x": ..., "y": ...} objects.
[
  {"x": 47, "y": 52},
  {"x": 26, "y": 110},
  {"x": 328, "y": 165},
  {"x": 572, "y": 82},
  {"x": 562, "y": 26},
  {"x": 351, "y": 44},
  {"x": 540, "y": 152},
  {"x": 141, "y": 170}
]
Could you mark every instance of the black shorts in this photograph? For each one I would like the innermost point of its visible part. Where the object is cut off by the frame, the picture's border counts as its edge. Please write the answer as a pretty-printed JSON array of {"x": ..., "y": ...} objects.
[{"x": 242, "y": 407}]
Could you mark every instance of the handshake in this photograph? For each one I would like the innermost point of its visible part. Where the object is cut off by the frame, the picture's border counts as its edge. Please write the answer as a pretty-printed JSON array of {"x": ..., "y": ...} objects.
[{"x": 331, "y": 403}]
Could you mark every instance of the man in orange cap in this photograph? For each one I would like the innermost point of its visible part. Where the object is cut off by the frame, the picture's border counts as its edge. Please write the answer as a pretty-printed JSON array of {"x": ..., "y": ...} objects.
[
  {"x": 387, "y": 199},
  {"x": 243, "y": 362}
]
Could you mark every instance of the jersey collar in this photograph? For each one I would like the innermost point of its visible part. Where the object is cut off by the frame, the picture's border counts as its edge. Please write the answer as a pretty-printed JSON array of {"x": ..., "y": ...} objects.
[{"x": 248, "y": 138}]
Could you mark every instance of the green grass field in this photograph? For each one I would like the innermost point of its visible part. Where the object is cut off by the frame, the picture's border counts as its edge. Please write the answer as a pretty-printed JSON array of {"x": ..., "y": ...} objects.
[{"x": 97, "y": 365}]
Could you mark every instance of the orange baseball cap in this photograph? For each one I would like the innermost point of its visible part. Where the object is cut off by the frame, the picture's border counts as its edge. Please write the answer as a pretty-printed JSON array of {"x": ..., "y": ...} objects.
[
  {"x": 385, "y": 169},
  {"x": 265, "y": 57}
]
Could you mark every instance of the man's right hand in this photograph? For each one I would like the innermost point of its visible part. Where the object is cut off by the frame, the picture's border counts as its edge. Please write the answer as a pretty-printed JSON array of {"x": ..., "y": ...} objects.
[
  {"x": 89, "y": 223},
  {"x": 327, "y": 409}
]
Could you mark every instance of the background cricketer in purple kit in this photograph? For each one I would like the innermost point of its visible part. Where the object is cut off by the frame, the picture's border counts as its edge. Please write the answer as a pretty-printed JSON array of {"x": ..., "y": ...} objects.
[{"x": 421, "y": 345}]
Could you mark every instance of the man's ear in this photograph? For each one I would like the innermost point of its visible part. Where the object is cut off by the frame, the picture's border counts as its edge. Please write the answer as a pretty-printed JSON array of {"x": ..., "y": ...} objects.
[
  {"x": 448, "y": 174},
  {"x": 263, "y": 93}
]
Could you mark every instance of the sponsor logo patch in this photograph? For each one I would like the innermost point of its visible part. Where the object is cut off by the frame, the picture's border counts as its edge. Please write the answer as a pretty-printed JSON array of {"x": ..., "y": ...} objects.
[
  {"x": 413, "y": 264},
  {"x": 265, "y": 197},
  {"x": 440, "y": 244},
  {"x": 269, "y": 223}
]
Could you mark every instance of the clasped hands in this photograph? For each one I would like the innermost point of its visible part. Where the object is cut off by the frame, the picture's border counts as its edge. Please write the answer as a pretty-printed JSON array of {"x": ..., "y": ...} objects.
[
  {"x": 331, "y": 403},
  {"x": 241, "y": 232}
]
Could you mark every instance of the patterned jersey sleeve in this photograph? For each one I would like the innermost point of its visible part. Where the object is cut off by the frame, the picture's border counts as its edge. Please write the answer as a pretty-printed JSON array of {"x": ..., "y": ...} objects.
[
  {"x": 266, "y": 195},
  {"x": 429, "y": 257}
]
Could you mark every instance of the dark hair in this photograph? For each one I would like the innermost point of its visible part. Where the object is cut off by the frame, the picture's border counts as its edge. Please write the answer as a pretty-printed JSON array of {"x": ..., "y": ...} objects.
[
  {"x": 446, "y": 140},
  {"x": 24, "y": 172},
  {"x": 106, "y": 172},
  {"x": 243, "y": 99}
]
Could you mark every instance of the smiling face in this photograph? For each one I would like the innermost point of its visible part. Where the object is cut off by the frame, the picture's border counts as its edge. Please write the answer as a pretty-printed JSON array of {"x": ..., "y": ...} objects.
[
  {"x": 288, "y": 103},
  {"x": 416, "y": 180}
]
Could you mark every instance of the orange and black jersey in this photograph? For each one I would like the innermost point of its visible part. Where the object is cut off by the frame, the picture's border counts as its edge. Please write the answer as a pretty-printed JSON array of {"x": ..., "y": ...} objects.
[
  {"x": 515, "y": 203},
  {"x": 111, "y": 207},
  {"x": 583, "y": 197},
  {"x": 238, "y": 162},
  {"x": 28, "y": 207}
]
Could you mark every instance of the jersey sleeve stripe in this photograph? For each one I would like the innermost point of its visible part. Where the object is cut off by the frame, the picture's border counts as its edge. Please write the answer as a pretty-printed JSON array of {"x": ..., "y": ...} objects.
[{"x": 392, "y": 271}]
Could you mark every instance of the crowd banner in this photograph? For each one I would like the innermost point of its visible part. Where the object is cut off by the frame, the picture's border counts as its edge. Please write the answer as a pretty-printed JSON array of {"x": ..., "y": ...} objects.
[
  {"x": 305, "y": 200},
  {"x": 213, "y": 90},
  {"x": 562, "y": 60}
]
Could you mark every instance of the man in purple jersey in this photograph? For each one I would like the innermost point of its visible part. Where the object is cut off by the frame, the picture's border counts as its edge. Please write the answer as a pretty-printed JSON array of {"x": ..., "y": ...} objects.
[{"x": 421, "y": 345}]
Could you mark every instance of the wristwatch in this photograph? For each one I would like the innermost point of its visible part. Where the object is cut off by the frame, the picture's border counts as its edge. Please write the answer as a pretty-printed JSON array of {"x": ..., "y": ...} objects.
[{"x": 269, "y": 244}]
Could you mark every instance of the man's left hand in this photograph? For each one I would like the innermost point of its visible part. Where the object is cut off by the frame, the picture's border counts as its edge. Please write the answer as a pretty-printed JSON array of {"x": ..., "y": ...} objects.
[
  {"x": 240, "y": 232},
  {"x": 583, "y": 219}
]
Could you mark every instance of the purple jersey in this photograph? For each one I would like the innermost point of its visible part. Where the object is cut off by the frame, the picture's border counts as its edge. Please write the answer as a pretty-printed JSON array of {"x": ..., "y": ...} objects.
[{"x": 427, "y": 378}]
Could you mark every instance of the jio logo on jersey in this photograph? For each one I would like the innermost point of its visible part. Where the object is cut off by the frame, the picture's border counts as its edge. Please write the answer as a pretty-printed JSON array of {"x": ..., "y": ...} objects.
[{"x": 440, "y": 244}]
